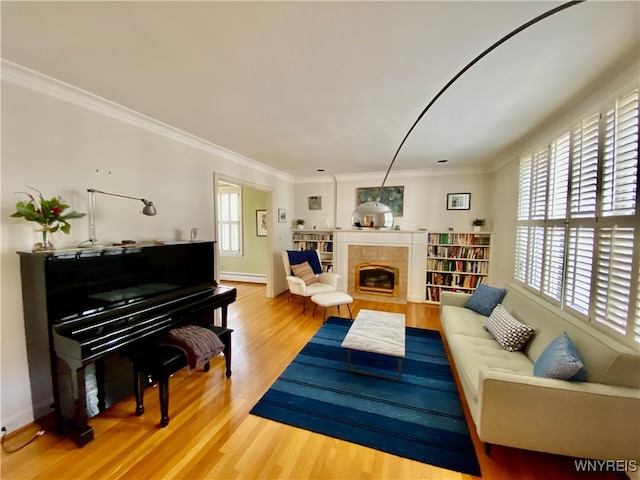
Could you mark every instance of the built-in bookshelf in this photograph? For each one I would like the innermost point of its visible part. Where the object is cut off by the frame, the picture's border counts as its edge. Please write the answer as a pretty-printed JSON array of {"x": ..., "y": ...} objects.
[
  {"x": 321, "y": 240},
  {"x": 456, "y": 262}
]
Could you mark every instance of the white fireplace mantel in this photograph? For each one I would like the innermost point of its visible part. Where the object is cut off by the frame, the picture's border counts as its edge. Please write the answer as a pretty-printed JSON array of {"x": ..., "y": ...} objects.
[{"x": 416, "y": 242}]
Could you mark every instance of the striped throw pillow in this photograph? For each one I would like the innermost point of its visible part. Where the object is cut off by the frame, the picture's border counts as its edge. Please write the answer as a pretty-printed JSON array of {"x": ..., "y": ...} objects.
[{"x": 305, "y": 273}]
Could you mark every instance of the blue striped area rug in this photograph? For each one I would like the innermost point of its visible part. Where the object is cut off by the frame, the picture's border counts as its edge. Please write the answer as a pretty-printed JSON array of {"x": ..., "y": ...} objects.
[{"x": 420, "y": 418}]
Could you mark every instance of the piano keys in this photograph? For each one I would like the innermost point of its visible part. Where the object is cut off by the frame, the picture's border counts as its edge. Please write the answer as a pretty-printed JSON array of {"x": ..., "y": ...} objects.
[{"x": 86, "y": 310}]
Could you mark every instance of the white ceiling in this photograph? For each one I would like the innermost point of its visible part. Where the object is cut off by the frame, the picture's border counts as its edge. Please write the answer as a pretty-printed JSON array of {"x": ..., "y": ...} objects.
[{"x": 336, "y": 85}]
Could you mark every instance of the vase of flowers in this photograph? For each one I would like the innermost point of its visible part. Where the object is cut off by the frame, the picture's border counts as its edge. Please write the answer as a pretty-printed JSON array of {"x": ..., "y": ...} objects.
[{"x": 48, "y": 214}]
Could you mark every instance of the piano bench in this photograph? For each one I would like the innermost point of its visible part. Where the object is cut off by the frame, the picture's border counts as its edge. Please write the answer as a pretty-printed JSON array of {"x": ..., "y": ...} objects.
[{"x": 158, "y": 362}]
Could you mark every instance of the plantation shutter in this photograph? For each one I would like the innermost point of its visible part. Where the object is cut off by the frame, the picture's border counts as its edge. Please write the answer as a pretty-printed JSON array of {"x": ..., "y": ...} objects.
[
  {"x": 559, "y": 177},
  {"x": 553, "y": 262},
  {"x": 536, "y": 249},
  {"x": 579, "y": 266},
  {"x": 584, "y": 168},
  {"x": 539, "y": 183},
  {"x": 524, "y": 193},
  {"x": 522, "y": 248},
  {"x": 620, "y": 171},
  {"x": 229, "y": 220},
  {"x": 613, "y": 277}
]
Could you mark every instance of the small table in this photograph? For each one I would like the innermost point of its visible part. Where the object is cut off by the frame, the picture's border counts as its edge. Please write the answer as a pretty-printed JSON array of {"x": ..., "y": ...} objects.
[
  {"x": 331, "y": 299},
  {"x": 377, "y": 332}
]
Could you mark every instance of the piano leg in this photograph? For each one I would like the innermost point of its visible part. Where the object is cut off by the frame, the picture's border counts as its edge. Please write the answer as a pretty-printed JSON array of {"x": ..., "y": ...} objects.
[
  {"x": 102, "y": 405},
  {"x": 224, "y": 334},
  {"x": 227, "y": 352}
]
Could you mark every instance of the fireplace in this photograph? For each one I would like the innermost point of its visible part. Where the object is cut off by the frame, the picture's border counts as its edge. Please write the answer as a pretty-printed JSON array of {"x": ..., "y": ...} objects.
[{"x": 377, "y": 278}]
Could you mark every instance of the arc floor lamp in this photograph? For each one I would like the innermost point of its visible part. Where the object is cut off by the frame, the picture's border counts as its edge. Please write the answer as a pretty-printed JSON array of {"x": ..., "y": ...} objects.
[{"x": 376, "y": 213}]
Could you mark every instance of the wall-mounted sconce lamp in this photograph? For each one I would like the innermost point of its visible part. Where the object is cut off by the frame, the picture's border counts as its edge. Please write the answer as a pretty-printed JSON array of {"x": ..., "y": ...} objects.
[{"x": 148, "y": 209}]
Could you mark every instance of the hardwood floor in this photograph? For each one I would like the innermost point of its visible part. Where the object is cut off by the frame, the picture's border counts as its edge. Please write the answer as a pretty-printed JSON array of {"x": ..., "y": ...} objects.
[{"x": 212, "y": 435}]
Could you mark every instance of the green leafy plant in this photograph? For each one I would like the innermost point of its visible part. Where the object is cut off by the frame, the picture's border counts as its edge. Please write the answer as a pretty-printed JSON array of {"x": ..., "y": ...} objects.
[
  {"x": 48, "y": 213},
  {"x": 479, "y": 222},
  {"x": 300, "y": 221}
]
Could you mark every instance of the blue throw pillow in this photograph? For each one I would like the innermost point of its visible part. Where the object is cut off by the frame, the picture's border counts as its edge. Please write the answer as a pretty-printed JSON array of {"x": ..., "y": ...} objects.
[
  {"x": 485, "y": 299},
  {"x": 297, "y": 257},
  {"x": 560, "y": 360}
]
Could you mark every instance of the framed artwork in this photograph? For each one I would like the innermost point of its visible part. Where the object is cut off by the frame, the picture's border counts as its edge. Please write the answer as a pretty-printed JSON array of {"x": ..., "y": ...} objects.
[
  {"x": 315, "y": 203},
  {"x": 282, "y": 215},
  {"x": 261, "y": 223},
  {"x": 458, "y": 201},
  {"x": 393, "y": 197}
]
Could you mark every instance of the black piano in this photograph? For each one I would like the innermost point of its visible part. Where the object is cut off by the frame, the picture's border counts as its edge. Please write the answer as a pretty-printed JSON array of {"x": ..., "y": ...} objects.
[{"x": 87, "y": 310}]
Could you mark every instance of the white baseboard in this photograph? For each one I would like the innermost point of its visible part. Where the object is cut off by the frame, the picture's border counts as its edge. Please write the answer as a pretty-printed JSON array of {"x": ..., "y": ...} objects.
[{"x": 244, "y": 277}]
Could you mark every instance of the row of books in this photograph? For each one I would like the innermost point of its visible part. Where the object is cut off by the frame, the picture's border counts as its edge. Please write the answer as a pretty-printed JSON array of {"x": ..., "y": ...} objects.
[
  {"x": 465, "y": 266},
  {"x": 320, "y": 246},
  {"x": 326, "y": 237},
  {"x": 453, "y": 280},
  {"x": 432, "y": 294},
  {"x": 459, "y": 238},
  {"x": 479, "y": 253}
]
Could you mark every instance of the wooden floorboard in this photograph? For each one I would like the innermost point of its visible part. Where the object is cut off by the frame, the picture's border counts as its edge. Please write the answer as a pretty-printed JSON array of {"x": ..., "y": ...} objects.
[{"x": 212, "y": 435}]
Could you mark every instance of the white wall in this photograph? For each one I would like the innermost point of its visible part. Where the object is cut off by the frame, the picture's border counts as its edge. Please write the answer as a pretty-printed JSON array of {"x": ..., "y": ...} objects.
[
  {"x": 425, "y": 195},
  {"x": 55, "y": 144}
]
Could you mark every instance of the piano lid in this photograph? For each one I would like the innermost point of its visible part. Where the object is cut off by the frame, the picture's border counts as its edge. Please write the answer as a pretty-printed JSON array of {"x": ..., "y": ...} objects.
[{"x": 88, "y": 281}]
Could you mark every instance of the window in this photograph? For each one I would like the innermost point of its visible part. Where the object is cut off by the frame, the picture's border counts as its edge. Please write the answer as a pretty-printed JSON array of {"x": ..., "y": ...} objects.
[
  {"x": 578, "y": 225},
  {"x": 230, "y": 219}
]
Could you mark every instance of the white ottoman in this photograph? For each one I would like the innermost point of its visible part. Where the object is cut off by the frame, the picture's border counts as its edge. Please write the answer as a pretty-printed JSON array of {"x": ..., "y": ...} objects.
[{"x": 331, "y": 299}]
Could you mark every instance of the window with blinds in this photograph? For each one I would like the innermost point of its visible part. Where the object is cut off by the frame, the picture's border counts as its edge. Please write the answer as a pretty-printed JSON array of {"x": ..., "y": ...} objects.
[
  {"x": 230, "y": 220},
  {"x": 578, "y": 224}
]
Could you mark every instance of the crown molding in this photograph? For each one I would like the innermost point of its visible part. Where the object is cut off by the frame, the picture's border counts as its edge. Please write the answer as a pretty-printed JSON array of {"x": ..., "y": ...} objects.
[{"x": 27, "y": 78}]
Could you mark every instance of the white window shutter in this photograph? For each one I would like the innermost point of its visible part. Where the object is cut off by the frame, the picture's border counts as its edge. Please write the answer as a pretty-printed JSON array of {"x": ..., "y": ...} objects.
[
  {"x": 522, "y": 253},
  {"x": 559, "y": 177},
  {"x": 524, "y": 192},
  {"x": 536, "y": 251},
  {"x": 553, "y": 276},
  {"x": 620, "y": 169},
  {"x": 584, "y": 168},
  {"x": 613, "y": 277},
  {"x": 579, "y": 267},
  {"x": 539, "y": 183}
]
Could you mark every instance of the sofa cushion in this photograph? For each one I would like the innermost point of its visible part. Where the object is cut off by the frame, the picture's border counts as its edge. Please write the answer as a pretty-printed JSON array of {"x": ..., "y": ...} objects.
[
  {"x": 560, "y": 360},
  {"x": 464, "y": 321},
  {"x": 475, "y": 354},
  {"x": 304, "y": 272},
  {"x": 509, "y": 332},
  {"x": 485, "y": 299}
]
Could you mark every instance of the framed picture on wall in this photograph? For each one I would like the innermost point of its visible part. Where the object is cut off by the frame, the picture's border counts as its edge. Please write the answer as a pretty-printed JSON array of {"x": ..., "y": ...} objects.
[
  {"x": 261, "y": 223},
  {"x": 315, "y": 203},
  {"x": 458, "y": 201},
  {"x": 282, "y": 215},
  {"x": 393, "y": 197}
]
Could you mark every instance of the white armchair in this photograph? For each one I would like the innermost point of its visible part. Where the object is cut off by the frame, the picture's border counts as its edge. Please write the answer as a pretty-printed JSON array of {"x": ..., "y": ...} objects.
[{"x": 327, "y": 282}]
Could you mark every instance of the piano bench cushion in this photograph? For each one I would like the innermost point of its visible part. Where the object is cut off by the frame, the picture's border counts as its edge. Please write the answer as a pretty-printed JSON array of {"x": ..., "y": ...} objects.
[{"x": 160, "y": 360}]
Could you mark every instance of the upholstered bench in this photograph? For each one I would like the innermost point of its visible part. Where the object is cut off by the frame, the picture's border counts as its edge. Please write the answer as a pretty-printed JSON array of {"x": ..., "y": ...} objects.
[
  {"x": 331, "y": 299},
  {"x": 158, "y": 362}
]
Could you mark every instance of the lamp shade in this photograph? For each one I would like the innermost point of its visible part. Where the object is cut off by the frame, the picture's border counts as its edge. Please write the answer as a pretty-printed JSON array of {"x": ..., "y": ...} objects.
[
  {"x": 148, "y": 209},
  {"x": 372, "y": 215}
]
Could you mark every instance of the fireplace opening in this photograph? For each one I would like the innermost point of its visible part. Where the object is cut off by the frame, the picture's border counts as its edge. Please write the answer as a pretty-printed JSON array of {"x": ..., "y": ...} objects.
[{"x": 377, "y": 278}]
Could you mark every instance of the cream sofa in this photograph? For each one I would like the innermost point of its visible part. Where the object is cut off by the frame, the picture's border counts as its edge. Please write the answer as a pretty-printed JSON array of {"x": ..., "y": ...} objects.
[{"x": 596, "y": 419}]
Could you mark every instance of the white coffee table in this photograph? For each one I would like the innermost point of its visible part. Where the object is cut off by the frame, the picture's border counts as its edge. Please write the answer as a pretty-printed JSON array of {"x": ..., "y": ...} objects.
[{"x": 377, "y": 332}]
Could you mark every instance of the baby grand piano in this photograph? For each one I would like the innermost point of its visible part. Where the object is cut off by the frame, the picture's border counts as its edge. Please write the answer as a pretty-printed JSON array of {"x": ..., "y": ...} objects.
[{"x": 87, "y": 310}]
